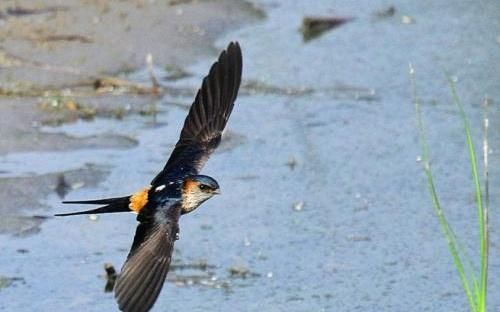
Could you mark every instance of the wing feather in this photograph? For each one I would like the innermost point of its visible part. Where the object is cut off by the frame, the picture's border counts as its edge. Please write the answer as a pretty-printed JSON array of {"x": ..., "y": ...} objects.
[
  {"x": 209, "y": 113},
  {"x": 146, "y": 268}
]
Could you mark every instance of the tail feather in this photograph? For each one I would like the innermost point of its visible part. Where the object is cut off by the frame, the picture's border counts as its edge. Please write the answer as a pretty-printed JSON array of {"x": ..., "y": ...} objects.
[
  {"x": 119, "y": 204},
  {"x": 104, "y": 201}
]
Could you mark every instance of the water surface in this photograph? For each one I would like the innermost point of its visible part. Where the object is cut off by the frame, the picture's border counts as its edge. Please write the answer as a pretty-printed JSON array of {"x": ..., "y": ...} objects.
[{"x": 323, "y": 197}]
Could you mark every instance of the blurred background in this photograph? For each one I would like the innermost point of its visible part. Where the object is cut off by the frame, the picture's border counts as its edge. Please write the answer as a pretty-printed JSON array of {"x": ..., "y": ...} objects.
[{"x": 324, "y": 204}]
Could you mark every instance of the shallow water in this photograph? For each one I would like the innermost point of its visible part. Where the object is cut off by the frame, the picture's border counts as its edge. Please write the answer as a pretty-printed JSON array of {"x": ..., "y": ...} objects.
[{"x": 350, "y": 227}]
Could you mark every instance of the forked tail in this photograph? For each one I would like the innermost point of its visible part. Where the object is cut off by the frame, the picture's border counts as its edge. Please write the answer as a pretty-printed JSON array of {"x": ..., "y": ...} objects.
[{"x": 118, "y": 204}]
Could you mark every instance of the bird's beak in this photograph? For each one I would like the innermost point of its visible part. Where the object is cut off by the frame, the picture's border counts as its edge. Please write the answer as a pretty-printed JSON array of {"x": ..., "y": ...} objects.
[{"x": 216, "y": 192}]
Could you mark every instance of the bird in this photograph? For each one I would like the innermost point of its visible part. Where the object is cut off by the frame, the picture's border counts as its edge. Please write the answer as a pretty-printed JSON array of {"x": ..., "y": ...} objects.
[{"x": 177, "y": 189}]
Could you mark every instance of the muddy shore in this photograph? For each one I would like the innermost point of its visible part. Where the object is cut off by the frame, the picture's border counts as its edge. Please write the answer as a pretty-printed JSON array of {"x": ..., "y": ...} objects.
[{"x": 53, "y": 53}]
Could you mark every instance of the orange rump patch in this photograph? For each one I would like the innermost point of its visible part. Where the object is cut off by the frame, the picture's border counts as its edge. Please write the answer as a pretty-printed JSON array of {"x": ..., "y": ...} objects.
[{"x": 139, "y": 199}]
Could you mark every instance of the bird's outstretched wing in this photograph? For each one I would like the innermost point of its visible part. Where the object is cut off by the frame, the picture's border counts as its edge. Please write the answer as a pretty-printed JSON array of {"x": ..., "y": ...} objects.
[
  {"x": 207, "y": 117},
  {"x": 143, "y": 274}
]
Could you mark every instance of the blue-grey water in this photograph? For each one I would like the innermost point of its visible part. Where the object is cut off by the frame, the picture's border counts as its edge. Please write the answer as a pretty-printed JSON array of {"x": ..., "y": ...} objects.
[{"x": 324, "y": 198}]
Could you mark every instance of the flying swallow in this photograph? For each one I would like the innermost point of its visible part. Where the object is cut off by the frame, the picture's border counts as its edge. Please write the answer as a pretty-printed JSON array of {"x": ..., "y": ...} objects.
[{"x": 178, "y": 189}]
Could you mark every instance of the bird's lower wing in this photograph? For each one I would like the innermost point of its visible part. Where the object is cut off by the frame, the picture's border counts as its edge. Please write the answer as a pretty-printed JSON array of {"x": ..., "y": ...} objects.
[{"x": 145, "y": 270}]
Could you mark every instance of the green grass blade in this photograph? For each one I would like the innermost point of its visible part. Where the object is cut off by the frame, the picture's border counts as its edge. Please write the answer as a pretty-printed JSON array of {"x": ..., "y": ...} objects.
[
  {"x": 486, "y": 191},
  {"x": 469, "y": 268},
  {"x": 452, "y": 244},
  {"x": 448, "y": 233},
  {"x": 483, "y": 231}
]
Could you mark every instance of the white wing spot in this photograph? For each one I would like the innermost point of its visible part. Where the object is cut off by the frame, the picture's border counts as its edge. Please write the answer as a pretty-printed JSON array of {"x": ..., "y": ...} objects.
[{"x": 159, "y": 188}]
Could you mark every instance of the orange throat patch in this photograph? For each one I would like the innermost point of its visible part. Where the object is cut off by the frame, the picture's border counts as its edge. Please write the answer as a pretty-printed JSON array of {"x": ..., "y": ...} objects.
[{"x": 139, "y": 199}]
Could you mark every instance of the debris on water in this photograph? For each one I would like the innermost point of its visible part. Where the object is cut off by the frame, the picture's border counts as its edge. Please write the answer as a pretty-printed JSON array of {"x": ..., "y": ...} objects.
[
  {"x": 206, "y": 279},
  {"x": 206, "y": 227},
  {"x": 298, "y": 206},
  {"x": 369, "y": 96},
  {"x": 406, "y": 19},
  {"x": 67, "y": 104},
  {"x": 259, "y": 87},
  {"x": 314, "y": 26},
  {"x": 247, "y": 241},
  {"x": 119, "y": 85},
  {"x": 339, "y": 91},
  {"x": 385, "y": 13},
  {"x": 241, "y": 272},
  {"x": 345, "y": 91},
  {"x": 177, "y": 2},
  {"x": 19, "y": 90},
  {"x": 359, "y": 238},
  {"x": 295, "y": 298},
  {"x": 201, "y": 273},
  {"x": 70, "y": 37},
  {"x": 391, "y": 263},
  {"x": 111, "y": 276},
  {"x": 269, "y": 274},
  {"x": 93, "y": 217},
  {"x": 19, "y": 11},
  {"x": 215, "y": 283},
  {"x": 291, "y": 163},
  {"x": 238, "y": 271},
  {"x": 9, "y": 281},
  {"x": 198, "y": 265},
  {"x": 150, "y": 110},
  {"x": 22, "y": 251},
  {"x": 62, "y": 187}
]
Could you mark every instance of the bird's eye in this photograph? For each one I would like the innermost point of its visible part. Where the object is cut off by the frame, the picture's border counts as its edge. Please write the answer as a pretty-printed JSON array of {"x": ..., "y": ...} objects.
[{"x": 203, "y": 187}]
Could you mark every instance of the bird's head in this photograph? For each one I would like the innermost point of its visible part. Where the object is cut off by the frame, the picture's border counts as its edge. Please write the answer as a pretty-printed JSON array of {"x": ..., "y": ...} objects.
[{"x": 196, "y": 189}]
